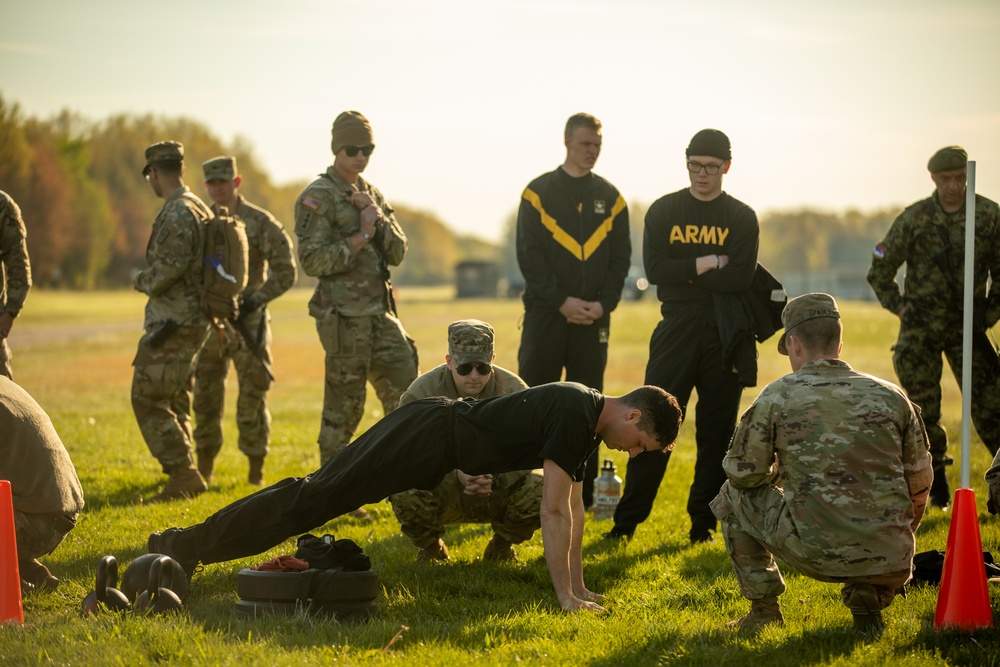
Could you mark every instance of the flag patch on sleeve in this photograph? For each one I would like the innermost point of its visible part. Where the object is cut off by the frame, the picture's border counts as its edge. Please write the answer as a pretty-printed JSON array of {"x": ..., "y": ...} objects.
[
  {"x": 879, "y": 251},
  {"x": 310, "y": 202}
]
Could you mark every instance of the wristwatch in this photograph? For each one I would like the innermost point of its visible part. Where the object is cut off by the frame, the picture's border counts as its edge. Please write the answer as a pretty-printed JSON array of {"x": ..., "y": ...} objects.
[{"x": 365, "y": 235}]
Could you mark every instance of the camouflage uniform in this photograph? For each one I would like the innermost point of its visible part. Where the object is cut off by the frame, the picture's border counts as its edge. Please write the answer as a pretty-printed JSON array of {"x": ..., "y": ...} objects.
[
  {"x": 993, "y": 479},
  {"x": 15, "y": 268},
  {"x": 512, "y": 507},
  {"x": 161, "y": 394},
  {"x": 932, "y": 244},
  {"x": 352, "y": 304},
  {"x": 829, "y": 471},
  {"x": 271, "y": 273}
]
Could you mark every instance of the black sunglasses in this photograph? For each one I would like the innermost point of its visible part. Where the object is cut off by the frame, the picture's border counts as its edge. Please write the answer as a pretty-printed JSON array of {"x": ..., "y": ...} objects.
[
  {"x": 352, "y": 151},
  {"x": 482, "y": 368}
]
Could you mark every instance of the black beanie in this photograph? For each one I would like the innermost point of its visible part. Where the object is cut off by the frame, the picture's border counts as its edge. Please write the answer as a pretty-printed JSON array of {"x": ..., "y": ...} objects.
[{"x": 710, "y": 142}]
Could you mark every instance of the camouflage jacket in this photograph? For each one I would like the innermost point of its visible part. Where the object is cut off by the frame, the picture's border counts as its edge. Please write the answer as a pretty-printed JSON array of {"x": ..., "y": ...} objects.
[
  {"x": 349, "y": 283},
  {"x": 271, "y": 270},
  {"x": 15, "y": 266},
  {"x": 439, "y": 382},
  {"x": 932, "y": 244},
  {"x": 850, "y": 453},
  {"x": 174, "y": 257}
]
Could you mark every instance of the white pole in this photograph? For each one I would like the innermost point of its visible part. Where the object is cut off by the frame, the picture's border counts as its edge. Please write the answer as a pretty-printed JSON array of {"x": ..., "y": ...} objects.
[{"x": 970, "y": 260}]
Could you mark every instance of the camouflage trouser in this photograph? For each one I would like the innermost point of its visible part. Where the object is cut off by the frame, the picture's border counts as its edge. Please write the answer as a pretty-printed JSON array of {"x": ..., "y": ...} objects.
[
  {"x": 252, "y": 417},
  {"x": 512, "y": 508},
  {"x": 40, "y": 534},
  {"x": 5, "y": 367},
  {"x": 917, "y": 360},
  {"x": 161, "y": 393},
  {"x": 756, "y": 527},
  {"x": 372, "y": 348}
]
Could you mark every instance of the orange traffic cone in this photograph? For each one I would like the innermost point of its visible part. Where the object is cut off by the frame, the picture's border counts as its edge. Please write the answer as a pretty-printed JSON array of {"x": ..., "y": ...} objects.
[
  {"x": 11, "y": 610},
  {"x": 963, "y": 600}
]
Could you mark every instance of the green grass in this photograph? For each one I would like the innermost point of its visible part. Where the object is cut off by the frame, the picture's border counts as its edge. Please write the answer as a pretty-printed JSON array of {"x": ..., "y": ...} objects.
[{"x": 666, "y": 599}]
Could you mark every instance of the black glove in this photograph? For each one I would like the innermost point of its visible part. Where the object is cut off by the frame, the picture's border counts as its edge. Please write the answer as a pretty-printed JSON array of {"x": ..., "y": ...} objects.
[{"x": 328, "y": 553}]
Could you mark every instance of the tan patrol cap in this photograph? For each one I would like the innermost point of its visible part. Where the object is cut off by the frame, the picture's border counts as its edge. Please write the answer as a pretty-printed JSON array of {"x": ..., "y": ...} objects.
[
  {"x": 222, "y": 168},
  {"x": 804, "y": 308},
  {"x": 163, "y": 152},
  {"x": 470, "y": 340}
]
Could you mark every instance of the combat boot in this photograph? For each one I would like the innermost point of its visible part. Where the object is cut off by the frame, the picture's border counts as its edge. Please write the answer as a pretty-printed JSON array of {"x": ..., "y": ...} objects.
[
  {"x": 161, "y": 542},
  {"x": 184, "y": 482},
  {"x": 500, "y": 550},
  {"x": 206, "y": 466},
  {"x": 940, "y": 495},
  {"x": 436, "y": 551},
  {"x": 866, "y": 607},
  {"x": 762, "y": 612},
  {"x": 256, "y": 475},
  {"x": 37, "y": 575}
]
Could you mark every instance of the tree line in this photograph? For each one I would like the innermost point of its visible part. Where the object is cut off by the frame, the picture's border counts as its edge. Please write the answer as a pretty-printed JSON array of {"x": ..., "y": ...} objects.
[{"x": 89, "y": 211}]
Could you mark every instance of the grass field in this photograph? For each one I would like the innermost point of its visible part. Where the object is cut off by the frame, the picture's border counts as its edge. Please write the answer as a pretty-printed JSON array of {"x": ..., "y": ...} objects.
[{"x": 666, "y": 599}]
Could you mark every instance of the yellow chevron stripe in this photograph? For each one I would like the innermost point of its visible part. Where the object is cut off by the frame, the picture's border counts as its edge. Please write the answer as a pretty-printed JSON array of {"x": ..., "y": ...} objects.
[
  {"x": 560, "y": 236},
  {"x": 601, "y": 233}
]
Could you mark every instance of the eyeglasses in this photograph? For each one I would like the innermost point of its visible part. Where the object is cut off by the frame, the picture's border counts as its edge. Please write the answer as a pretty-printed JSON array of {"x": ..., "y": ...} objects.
[
  {"x": 352, "y": 151},
  {"x": 710, "y": 169},
  {"x": 481, "y": 368}
]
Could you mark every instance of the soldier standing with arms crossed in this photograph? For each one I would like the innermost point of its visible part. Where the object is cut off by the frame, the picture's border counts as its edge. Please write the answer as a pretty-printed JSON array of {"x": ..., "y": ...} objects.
[
  {"x": 16, "y": 271},
  {"x": 929, "y": 236},
  {"x": 348, "y": 238},
  {"x": 574, "y": 251},
  {"x": 176, "y": 327},
  {"x": 271, "y": 272}
]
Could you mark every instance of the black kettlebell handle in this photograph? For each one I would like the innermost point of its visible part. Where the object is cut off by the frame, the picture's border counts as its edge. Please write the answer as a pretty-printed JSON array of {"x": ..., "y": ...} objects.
[{"x": 107, "y": 577}]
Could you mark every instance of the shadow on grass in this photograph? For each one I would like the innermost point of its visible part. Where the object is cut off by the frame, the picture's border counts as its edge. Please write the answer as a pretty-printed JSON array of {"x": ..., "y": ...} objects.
[{"x": 957, "y": 647}]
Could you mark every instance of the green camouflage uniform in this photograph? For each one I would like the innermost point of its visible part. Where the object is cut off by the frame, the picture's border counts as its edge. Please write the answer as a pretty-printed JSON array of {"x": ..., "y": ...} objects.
[
  {"x": 161, "y": 392},
  {"x": 512, "y": 508},
  {"x": 931, "y": 243},
  {"x": 15, "y": 269},
  {"x": 363, "y": 339},
  {"x": 829, "y": 471},
  {"x": 271, "y": 272},
  {"x": 993, "y": 479}
]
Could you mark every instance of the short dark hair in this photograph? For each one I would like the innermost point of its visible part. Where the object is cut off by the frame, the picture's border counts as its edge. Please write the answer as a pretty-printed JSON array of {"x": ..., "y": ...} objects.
[
  {"x": 661, "y": 414},
  {"x": 170, "y": 167},
  {"x": 581, "y": 120},
  {"x": 819, "y": 335}
]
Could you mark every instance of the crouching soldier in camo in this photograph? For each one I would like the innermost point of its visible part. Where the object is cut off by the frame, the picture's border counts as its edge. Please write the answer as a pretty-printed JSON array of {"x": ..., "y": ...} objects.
[
  {"x": 348, "y": 238},
  {"x": 176, "y": 328},
  {"x": 15, "y": 273},
  {"x": 510, "y": 501},
  {"x": 271, "y": 272},
  {"x": 829, "y": 470}
]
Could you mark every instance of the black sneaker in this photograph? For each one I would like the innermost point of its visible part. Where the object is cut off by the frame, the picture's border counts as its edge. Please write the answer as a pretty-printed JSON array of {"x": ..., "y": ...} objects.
[
  {"x": 161, "y": 543},
  {"x": 617, "y": 535},
  {"x": 701, "y": 536},
  {"x": 940, "y": 495}
]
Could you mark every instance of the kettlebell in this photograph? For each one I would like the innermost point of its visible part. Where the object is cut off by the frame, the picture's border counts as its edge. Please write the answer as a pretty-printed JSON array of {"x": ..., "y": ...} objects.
[
  {"x": 135, "y": 580},
  {"x": 158, "y": 598},
  {"x": 105, "y": 596}
]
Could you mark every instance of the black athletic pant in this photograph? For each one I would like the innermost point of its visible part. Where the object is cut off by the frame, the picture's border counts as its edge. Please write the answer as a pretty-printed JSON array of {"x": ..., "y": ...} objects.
[
  {"x": 412, "y": 448},
  {"x": 549, "y": 344},
  {"x": 685, "y": 353}
]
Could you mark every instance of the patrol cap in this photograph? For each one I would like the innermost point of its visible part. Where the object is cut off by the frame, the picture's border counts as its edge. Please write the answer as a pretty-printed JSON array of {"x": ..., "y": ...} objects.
[
  {"x": 222, "y": 168},
  {"x": 948, "y": 158},
  {"x": 804, "y": 308},
  {"x": 163, "y": 152},
  {"x": 350, "y": 129},
  {"x": 710, "y": 142},
  {"x": 470, "y": 341}
]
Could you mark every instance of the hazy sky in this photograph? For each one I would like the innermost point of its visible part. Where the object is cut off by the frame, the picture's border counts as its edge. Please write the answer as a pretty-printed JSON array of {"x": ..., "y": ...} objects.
[{"x": 834, "y": 104}]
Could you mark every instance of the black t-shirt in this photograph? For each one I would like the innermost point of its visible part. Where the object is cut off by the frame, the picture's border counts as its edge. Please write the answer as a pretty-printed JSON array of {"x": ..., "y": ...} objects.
[{"x": 518, "y": 431}]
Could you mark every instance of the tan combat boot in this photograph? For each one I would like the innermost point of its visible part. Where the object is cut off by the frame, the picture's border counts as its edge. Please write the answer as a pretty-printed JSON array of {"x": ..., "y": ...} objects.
[
  {"x": 436, "y": 551},
  {"x": 184, "y": 482},
  {"x": 500, "y": 550},
  {"x": 762, "y": 612},
  {"x": 256, "y": 475},
  {"x": 866, "y": 607}
]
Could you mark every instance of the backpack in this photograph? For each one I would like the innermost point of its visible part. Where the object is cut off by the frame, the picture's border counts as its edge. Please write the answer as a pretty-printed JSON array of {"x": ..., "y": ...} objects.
[{"x": 224, "y": 259}]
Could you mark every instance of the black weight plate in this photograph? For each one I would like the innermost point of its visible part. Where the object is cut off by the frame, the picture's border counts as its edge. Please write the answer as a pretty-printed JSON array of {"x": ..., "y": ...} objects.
[{"x": 319, "y": 585}]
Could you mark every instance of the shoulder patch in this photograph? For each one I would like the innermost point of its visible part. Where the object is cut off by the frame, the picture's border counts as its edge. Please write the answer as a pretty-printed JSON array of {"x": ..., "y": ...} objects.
[
  {"x": 162, "y": 236},
  {"x": 310, "y": 202},
  {"x": 879, "y": 251}
]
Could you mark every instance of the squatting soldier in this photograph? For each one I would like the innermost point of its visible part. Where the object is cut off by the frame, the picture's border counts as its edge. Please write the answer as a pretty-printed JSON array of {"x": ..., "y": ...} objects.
[
  {"x": 15, "y": 272},
  {"x": 829, "y": 471},
  {"x": 573, "y": 248},
  {"x": 176, "y": 327},
  {"x": 509, "y": 501},
  {"x": 348, "y": 238},
  {"x": 271, "y": 272},
  {"x": 929, "y": 237}
]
